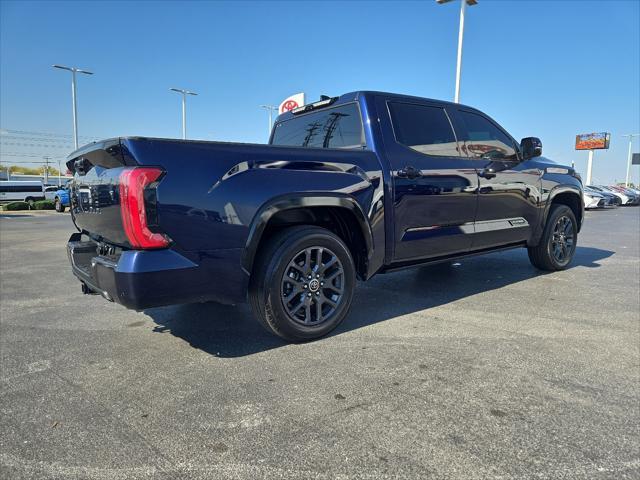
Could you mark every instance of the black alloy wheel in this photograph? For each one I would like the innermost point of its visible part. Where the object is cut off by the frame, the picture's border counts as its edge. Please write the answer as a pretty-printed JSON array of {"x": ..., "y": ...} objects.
[
  {"x": 302, "y": 282},
  {"x": 313, "y": 285},
  {"x": 562, "y": 240},
  {"x": 557, "y": 246}
]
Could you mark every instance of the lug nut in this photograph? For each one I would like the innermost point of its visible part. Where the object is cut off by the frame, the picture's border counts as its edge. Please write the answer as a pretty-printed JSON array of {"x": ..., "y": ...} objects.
[
  {"x": 322, "y": 284},
  {"x": 309, "y": 294},
  {"x": 317, "y": 276},
  {"x": 304, "y": 286},
  {"x": 309, "y": 277},
  {"x": 317, "y": 294}
]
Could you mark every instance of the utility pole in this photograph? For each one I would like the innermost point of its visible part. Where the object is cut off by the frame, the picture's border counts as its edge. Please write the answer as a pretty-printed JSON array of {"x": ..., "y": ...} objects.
[
  {"x": 330, "y": 127},
  {"x": 311, "y": 132},
  {"x": 46, "y": 169},
  {"x": 270, "y": 109},
  {"x": 631, "y": 135},
  {"x": 74, "y": 101},
  {"x": 59, "y": 173},
  {"x": 463, "y": 4},
  {"x": 184, "y": 108}
]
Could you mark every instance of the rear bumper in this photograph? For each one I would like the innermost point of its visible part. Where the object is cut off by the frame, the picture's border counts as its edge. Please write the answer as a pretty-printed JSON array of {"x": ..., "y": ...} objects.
[{"x": 144, "y": 279}]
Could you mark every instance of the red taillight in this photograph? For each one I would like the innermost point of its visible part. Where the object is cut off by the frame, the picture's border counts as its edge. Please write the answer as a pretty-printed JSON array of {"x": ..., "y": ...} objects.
[{"x": 134, "y": 216}]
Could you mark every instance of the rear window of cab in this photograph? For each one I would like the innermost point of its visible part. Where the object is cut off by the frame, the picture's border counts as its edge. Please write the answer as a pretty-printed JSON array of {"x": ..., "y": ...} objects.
[{"x": 334, "y": 127}]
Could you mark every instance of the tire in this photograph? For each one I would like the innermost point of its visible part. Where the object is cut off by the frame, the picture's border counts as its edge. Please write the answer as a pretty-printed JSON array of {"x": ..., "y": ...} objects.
[
  {"x": 59, "y": 207},
  {"x": 558, "y": 243},
  {"x": 30, "y": 201},
  {"x": 280, "y": 288}
]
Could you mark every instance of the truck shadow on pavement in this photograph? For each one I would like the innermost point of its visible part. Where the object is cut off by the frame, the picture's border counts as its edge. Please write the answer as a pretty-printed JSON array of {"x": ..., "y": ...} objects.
[{"x": 231, "y": 331}]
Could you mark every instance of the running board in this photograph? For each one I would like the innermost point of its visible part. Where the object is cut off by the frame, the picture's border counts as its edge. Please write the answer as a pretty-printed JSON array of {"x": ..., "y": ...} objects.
[{"x": 394, "y": 267}]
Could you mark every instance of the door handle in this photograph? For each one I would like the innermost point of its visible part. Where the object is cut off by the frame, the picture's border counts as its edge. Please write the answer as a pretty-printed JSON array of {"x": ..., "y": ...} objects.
[
  {"x": 487, "y": 173},
  {"x": 409, "y": 172}
]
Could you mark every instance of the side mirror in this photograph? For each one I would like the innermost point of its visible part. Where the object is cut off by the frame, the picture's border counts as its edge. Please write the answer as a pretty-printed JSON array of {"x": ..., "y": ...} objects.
[{"x": 530, "y": 147}]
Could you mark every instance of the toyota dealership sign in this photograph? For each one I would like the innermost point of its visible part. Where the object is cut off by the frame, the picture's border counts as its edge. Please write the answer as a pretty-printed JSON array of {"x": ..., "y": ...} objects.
[{"x": 289, "y": 103}]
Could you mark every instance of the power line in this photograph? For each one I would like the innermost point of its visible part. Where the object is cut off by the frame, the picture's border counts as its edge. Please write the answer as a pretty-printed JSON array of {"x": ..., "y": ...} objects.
[
  {"x": 26, "y": 162},
  {"x": 3, "y": 131},
  {"x": 25, "y": 143},
  {"x": 27, "y": 148},
  {"x": 19, "y": 144},
  {"x": 35, "y": 139},
  {"x": 34, "y": 155}
]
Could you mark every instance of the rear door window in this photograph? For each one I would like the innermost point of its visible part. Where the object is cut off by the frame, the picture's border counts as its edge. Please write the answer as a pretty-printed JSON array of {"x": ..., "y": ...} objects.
[
  {"x": 425, "y": 129},
  {"x": 337, "y": 127}
]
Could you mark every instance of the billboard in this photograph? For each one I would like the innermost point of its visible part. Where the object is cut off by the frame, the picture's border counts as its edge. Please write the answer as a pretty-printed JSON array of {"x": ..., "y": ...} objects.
[
  {"x": 289, "y": 103},
  {"x": 635, "y": 159},
  {"x": 592, "y": 141}
]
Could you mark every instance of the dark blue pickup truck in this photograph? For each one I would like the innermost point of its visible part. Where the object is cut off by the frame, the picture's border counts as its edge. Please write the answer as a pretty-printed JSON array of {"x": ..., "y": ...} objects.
[{"x": 349, "y": 186}]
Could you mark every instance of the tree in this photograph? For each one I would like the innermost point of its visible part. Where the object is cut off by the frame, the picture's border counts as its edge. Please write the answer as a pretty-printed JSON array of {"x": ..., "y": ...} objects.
[{"x": 29, "y": 170}]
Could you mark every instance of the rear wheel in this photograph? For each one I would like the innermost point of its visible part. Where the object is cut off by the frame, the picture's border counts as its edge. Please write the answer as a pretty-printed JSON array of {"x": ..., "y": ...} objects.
[
  {"x": 30, "y": 201},
  {"x": 303, "y": 283},
  {"x": 558, "y": 243}
]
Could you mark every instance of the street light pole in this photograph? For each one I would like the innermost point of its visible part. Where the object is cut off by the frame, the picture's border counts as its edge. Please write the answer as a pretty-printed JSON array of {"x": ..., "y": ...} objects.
[
  {"x": 270, "y": 109},
  {"x": 74, "y": 101},
  {"x": 184, "y": 117},
  {"x": 59, "y": 173},
  {"x": 631, "y": 135},
  {"x": 184, "y": 108},
  {"x": 463, "y": 5}
]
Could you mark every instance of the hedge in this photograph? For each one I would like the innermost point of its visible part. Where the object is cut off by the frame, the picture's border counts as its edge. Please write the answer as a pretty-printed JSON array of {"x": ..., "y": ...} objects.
[
  {"x": 15, "y": 206},
  {"x": 44, "y": 205}
]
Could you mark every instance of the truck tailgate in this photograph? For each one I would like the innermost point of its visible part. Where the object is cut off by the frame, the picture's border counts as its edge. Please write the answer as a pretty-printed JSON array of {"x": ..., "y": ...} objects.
[
  {"x": 94, "y": 198},
  {"x": 114, "y": 194}
]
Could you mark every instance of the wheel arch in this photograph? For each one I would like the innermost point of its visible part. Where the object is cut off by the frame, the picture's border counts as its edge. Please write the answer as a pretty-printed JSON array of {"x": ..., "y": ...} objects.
[
  {"x": 570, "y": 196},
  {"x": 339, "y": 213}
]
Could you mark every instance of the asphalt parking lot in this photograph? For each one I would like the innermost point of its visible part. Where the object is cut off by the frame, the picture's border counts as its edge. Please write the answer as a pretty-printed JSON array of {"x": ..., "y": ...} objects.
[{"x": 487, "y": 369}]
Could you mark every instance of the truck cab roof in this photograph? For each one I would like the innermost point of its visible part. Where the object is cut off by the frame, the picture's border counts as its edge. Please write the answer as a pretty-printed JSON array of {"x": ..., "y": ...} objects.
[{"x": 354, "y": 96}]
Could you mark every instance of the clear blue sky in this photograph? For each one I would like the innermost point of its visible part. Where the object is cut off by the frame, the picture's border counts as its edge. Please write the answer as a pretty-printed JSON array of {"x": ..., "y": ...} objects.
[{"x": 542, "y": 68}]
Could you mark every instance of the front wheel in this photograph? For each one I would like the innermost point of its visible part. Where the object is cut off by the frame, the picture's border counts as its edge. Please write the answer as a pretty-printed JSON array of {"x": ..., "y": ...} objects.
[
  {"x": 59, "y": 206},
  {"x": 303, "y": 283},
  {"x": 558, "y": 243}
]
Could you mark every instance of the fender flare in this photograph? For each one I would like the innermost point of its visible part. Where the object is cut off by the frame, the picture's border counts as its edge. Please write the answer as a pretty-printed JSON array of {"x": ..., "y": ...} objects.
[
  {"x": 555, "y": 191},
  {"x": 301, "y": 200}
]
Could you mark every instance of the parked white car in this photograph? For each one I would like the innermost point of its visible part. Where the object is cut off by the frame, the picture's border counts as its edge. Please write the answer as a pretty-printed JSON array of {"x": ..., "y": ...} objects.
[
  {"x": 601, "y": 188},
  {"x": 593, "y": 200},
  {"x": 50, "y": 193}
]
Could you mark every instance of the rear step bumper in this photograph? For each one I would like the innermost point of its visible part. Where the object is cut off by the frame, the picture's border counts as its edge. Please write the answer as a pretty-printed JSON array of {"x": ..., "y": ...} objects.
[{"x": 138, "y": 279}]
